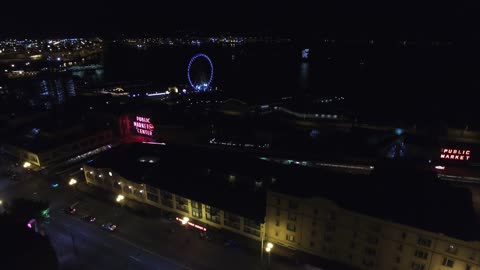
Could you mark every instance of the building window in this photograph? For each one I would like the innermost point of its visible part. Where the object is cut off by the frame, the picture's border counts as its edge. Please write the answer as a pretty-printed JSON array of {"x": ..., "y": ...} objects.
[
  {"x": 196, "y": 209},
  {"x": 447, "y": 262},
  {"x": 292, "y": 204},
  {"x": 152, "y": 197},
  {"x": 417, "y": 266},
  {"x": 277, "y": 200},
  {"x": 290, "y": 238},
  {"x": 397, "y": 260},
  {"x": 315, "y": 211},
  {"x": 291, "y": 227},
  {"x": 277, "y": 223},
  {"x": 404, "y": 235},
  {"x": 292, "y": 216},
  {"x": 181, "y": 203},
  {"x": 424, "y": 242},
  {"x": 166, "y": 198},
  {"x": 312, "y": 244},
  {"x": 251, "y": 223},
  {"x": 212, "y": 214},
  {"x": 400, "y": 247},
  {"x": 231, "y": 220},
  {"x": 421, "y": 254},
  {"x": 276, "y": 233},
  {"x": 452, "y": 249},
  {"x": 314, "y": 223},
  {"x": 313, "y": 233}
]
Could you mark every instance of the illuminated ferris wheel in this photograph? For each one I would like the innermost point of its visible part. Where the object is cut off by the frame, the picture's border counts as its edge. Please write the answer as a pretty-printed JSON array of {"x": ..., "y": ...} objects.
[{"x": 198, "y": 77}]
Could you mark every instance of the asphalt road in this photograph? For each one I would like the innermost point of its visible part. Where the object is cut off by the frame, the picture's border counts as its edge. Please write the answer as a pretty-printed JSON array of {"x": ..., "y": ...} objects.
[
  {"x": 138, "y": 243},
  {"x": 78, "y": 244}
]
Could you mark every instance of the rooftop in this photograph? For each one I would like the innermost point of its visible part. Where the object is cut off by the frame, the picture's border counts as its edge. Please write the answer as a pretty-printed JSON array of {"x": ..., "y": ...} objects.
[
  {"x": 237, "y": 182},
  {"x": 221, "y": 180}
]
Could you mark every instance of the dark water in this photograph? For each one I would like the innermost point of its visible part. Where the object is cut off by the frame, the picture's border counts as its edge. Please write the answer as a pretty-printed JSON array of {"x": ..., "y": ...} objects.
[{"x": 381, "y": 81}]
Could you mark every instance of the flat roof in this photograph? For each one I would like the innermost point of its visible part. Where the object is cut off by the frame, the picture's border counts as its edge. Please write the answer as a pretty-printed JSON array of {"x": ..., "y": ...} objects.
[
  {"x": 393, "y": 192},
  {"x": 222, "y": 180}
]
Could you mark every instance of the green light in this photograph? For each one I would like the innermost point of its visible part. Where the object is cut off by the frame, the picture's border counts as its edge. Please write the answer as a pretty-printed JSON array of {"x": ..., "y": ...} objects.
[
  {"x": 46, "y": 213},
  {"x": 55, "y": 185}
]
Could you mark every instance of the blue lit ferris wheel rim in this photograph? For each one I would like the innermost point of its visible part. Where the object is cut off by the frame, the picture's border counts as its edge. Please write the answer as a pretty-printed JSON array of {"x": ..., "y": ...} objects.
[{"x": 190, "y": 65}]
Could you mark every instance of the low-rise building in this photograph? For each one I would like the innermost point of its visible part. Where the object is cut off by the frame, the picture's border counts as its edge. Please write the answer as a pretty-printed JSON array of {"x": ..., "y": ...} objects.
[
  {"x": 380, "y": 221},
  {"x": 42, "y": 148},
  {"x": 187, "y": 183}
]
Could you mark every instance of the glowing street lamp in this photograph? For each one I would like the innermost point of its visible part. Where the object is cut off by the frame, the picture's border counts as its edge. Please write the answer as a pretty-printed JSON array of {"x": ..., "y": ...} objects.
[
  {"x": 120, "y": 198},
  {"x": 27, "y": 164},
  {"x": 72, "y": 182},
  {"x": 268, "y": 249},
  {"x": 185, "y": 220}
]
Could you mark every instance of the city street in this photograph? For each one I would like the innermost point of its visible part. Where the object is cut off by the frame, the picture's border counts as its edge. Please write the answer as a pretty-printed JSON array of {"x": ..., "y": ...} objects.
[{"x": 138, "y": 243}]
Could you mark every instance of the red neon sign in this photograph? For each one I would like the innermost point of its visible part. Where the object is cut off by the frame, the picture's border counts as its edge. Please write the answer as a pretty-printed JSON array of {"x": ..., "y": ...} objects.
[
  {"x": 193, "y": 225},
  {"x": 456, "y": 154},
  {"x": 143, "y": 126}
]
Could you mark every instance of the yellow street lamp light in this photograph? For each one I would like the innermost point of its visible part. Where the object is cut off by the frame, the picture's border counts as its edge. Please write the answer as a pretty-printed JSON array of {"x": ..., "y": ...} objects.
[
  {"x": 27, "y": 164},
  {"x": 185, "y": 220},
  {"x": 120, "y": 198},
  {"x": 268, "y": 249},
  {"x": 72, "y": 182}
]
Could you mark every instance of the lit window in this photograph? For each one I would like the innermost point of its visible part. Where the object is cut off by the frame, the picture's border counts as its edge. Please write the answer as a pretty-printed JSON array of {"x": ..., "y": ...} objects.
[{"x": 290, "y": 238}]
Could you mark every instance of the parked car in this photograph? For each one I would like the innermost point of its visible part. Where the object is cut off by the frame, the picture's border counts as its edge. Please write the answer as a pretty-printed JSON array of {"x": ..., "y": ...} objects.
[
  {"x": 109, "y": 226},
  {"x": 89, "y": 218},
  {"x": 70, "y": 210}
]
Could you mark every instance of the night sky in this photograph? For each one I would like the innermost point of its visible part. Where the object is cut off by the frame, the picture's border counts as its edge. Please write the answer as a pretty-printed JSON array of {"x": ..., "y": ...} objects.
[{"x": 384, "y": 19}]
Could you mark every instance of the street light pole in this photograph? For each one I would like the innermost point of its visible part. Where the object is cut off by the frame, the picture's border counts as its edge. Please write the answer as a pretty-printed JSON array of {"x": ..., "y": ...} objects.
[
  {"x": 268, "y": 249},
  {"x": 261, "y": 249}
]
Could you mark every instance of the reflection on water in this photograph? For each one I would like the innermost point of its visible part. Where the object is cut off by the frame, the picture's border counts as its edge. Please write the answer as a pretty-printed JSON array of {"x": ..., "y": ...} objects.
[{"x": 303, "y": 78}]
